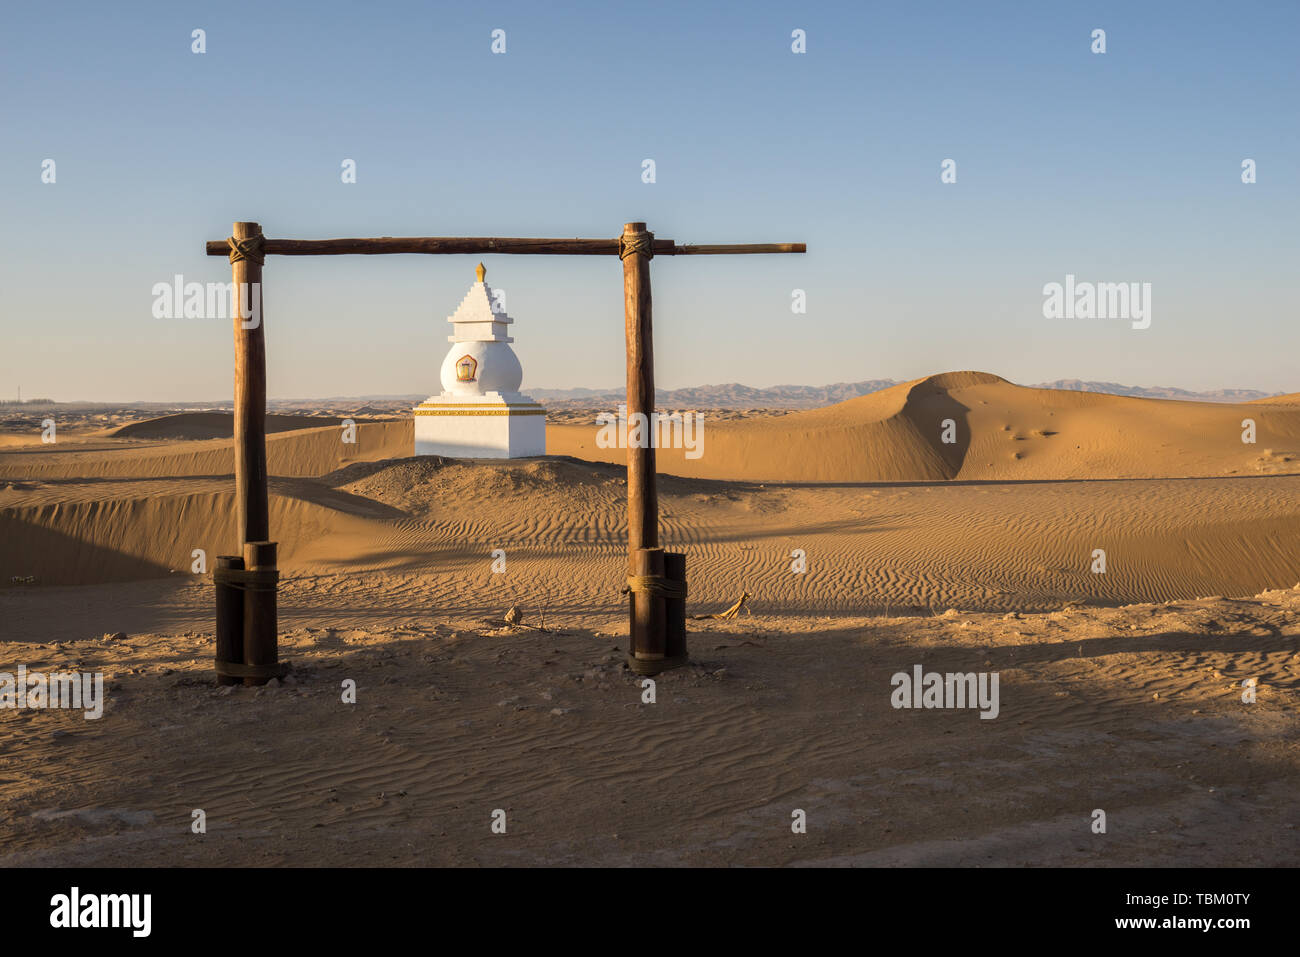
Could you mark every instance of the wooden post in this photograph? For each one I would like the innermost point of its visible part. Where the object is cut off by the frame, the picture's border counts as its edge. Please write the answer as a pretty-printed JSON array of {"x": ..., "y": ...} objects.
[
  {"x": 648, "y": 621},
  {"x": 261, "y": 637},
  {"x": 250, "y": 389},
  {"x": 230, "y": 615},
  {"x": 642, "y": 501},
  {"x": 648, "y": 624},
  {"x": 675, "y": 608}
]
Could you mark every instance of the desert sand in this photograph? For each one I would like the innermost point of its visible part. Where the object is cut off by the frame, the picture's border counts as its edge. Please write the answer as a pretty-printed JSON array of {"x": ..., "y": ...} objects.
[
  {"x": 1120, "y": 690},
  {"x": 1004, "y": 433}
]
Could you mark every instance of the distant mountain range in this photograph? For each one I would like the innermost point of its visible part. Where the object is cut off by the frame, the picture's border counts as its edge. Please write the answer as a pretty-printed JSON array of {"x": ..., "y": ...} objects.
[
  {"x": 733, "y": 395},
  {"x": 1157, "y": 392}
]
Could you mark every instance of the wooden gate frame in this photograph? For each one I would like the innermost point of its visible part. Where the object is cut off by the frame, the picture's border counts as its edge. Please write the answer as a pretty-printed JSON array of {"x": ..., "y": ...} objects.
[{"x": 247, "y": 636}]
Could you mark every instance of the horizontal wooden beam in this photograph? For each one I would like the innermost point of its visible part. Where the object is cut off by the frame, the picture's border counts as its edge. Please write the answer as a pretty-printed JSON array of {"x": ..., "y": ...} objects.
[
  {"x": 734, "y": 250},
  {"x": 475, "y": 245}
]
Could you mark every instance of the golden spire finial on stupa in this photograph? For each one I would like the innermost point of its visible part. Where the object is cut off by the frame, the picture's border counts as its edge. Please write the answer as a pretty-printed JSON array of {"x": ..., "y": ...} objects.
[{"x": 480, "y": 270}]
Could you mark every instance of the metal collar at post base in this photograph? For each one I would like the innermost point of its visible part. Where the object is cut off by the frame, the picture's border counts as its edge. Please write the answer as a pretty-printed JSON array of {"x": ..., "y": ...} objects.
[
  {"x": 652, "y": 666},
  {"x": 234, "y": 669}
]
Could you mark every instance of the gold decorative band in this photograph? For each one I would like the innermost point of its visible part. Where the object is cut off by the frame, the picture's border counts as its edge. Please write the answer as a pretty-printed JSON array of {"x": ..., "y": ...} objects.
[
  {"x": 514, "y": 411},
  {"x": 477, "y": 405}
]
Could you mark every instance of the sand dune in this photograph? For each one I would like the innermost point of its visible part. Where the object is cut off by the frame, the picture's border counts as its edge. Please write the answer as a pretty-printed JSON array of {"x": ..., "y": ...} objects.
[
  {"x": 900, "y": 525},
  {"x": 212, "y": 425},
  {"x": 563, "y": 525},
  {"x": 313, "y": 451},
  {"x": 1003, "y": 432},
  {"x": 113, "y": 531},
  {"x": 1291, "y": 399}
]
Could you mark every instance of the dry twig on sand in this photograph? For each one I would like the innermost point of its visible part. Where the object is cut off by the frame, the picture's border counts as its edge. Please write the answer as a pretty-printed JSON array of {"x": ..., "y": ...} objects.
[{"x": 731, "y": 612}]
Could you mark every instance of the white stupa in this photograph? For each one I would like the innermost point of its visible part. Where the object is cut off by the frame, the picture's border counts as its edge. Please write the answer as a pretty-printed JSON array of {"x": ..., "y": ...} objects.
[{"x": 481, "y": 413}]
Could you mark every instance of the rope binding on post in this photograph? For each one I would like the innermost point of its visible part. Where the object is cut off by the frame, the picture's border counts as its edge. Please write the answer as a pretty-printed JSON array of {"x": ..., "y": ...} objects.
[
  {"x": 255, "y": 579},
  {"x": 655, "y": 585},
  {"x": 643, "y": 243},
  {"x": 253, "y": 249}
]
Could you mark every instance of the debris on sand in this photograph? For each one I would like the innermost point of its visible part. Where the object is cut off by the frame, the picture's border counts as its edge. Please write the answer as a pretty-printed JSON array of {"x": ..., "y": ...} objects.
[{"x": 731, "y": 612}]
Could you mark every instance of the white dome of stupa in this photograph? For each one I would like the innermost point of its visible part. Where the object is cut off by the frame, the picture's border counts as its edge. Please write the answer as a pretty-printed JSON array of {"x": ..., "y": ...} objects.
[{"x": 480, "y": 360}]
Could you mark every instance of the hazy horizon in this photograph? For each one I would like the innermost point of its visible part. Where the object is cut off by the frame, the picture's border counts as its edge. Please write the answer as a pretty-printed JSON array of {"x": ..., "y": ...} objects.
[{"x": 598, "y": 390}]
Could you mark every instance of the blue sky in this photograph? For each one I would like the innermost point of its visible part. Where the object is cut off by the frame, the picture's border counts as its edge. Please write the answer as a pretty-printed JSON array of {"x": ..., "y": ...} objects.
[{"x": 1121, "y": 167}]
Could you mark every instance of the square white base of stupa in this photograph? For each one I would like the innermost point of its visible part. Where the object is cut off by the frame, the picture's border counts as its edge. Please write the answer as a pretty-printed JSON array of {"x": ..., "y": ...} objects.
[{"x": 493, "y": 426}]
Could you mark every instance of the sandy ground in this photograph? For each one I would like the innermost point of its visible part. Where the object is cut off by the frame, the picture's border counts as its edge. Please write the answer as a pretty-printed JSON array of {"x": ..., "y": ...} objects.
[
  {"x": 1136, "y": 711},
  {"x": 1120, "y": 691}
]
